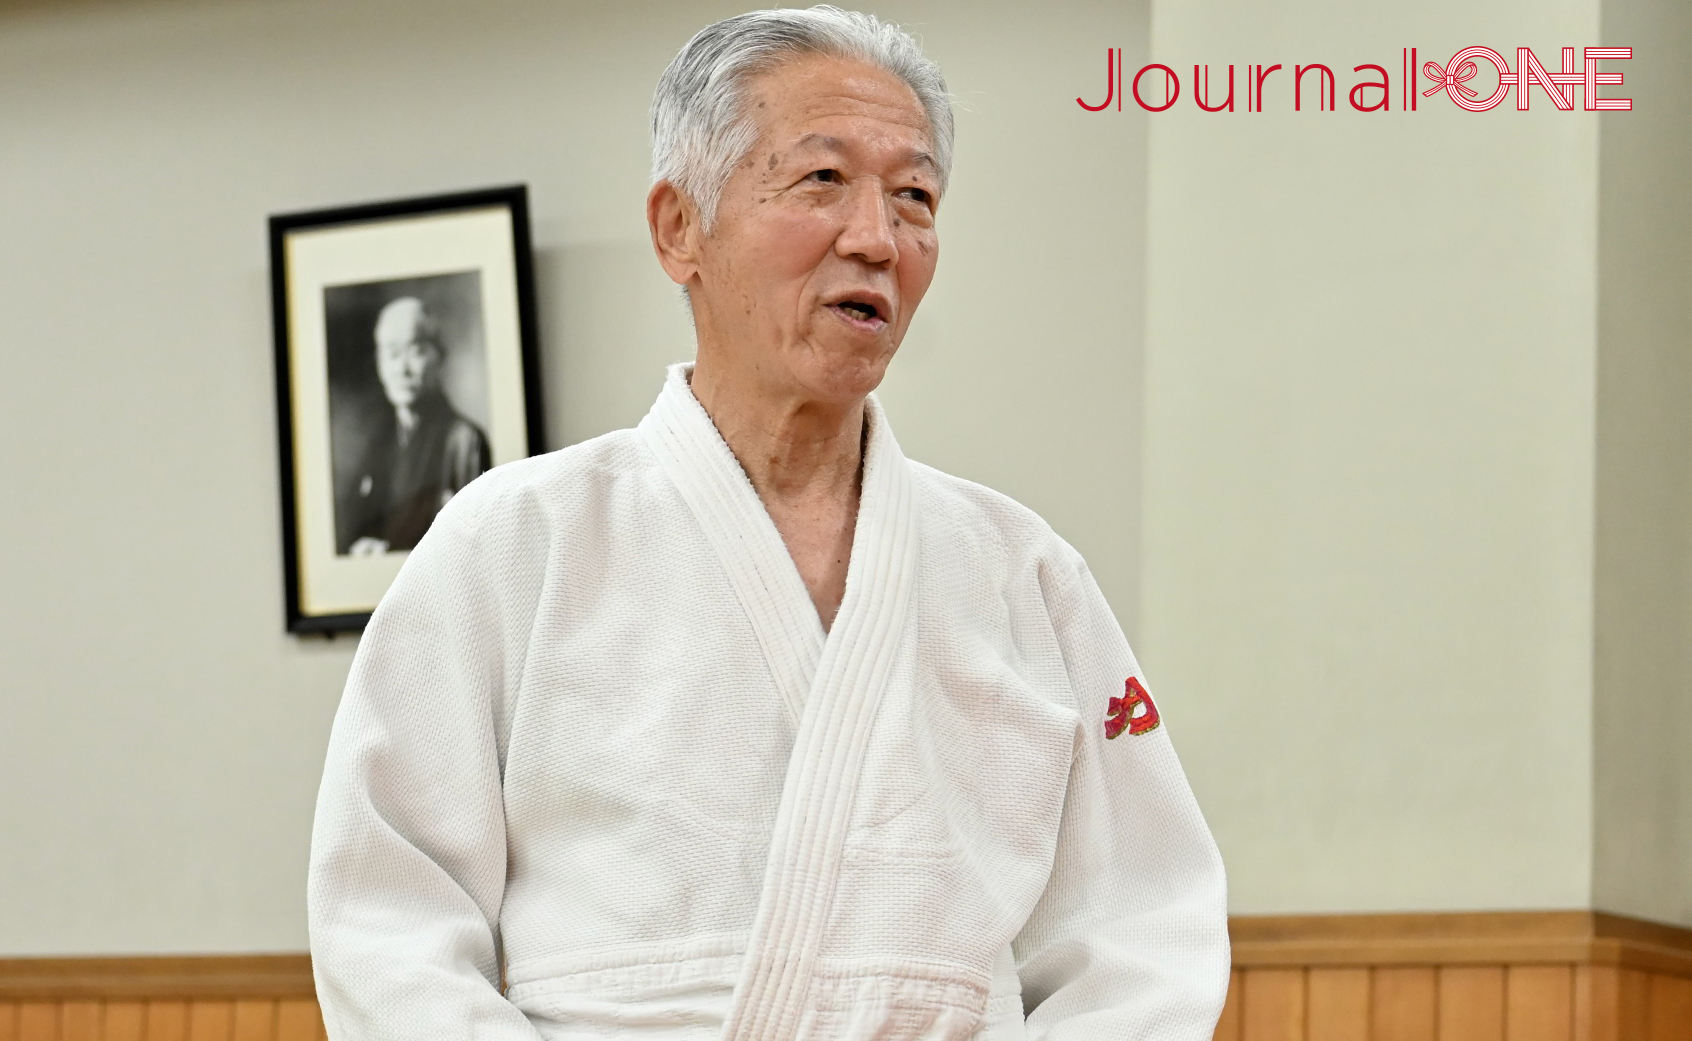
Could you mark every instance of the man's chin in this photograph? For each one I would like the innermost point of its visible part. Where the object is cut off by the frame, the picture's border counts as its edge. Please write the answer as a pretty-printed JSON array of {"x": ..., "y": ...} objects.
[{"x": 843, "y": 373}]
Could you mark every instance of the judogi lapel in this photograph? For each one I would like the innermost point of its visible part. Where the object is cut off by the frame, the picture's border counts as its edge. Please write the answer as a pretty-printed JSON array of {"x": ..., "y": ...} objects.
[
  {"x": 595, "y": 740},
  {"x": 835, "y": 684},
  {"x": 735, "y": 522}
]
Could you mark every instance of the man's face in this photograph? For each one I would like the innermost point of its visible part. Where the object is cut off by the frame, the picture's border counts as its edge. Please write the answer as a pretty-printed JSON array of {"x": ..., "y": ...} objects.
[
  {"x": 825, "y": 240},
  {"x": 405, "y": 362}
]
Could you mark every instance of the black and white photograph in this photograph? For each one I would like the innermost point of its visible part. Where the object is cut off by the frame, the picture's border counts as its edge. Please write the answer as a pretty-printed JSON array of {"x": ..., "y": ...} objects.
[
  {"x": 406, "y": 368},
  {"x": 408, "y": 404}
]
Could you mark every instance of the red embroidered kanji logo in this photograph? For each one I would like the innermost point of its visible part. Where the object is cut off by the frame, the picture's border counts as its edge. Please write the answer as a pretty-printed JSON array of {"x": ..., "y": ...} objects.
[{"x": 1121, "y": 714}]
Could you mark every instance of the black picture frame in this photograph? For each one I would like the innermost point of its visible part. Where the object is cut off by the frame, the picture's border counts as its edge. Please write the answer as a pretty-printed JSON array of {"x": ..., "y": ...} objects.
[{"x": 428, "y": 267}]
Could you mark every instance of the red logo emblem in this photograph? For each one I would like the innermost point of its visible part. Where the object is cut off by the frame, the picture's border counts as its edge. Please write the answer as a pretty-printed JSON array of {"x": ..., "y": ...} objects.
[{"x": 1121, "y": 714}]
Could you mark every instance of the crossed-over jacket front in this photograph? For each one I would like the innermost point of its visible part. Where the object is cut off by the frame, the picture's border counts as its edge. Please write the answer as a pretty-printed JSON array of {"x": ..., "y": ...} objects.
[{"x": 597, "y": 748}]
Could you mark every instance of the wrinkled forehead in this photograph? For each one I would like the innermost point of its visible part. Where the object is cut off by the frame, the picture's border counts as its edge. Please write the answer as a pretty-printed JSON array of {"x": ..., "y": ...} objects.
[{"x": 822, "y": 103}]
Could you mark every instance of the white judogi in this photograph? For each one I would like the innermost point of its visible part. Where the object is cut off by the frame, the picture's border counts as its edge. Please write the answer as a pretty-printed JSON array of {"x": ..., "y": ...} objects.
[{"x": 597, "y": 726}]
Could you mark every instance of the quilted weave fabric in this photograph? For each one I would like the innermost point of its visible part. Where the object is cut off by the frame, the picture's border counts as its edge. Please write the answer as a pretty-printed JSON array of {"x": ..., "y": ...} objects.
[{"x": 596, "y": 747}]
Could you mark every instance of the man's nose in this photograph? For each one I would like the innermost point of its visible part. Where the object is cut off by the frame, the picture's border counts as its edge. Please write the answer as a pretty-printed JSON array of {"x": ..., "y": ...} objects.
[{"x": 868, "y": 231}]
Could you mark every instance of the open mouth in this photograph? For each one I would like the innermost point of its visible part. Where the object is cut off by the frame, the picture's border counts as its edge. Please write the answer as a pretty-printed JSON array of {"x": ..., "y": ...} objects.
[{"x": 860, "y": 313}]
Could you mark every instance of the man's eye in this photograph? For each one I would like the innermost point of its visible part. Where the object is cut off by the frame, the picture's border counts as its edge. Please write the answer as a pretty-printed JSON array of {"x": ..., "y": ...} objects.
[
  {"x": 826, "y": 176},
  {"x": 919, "y": 194}
]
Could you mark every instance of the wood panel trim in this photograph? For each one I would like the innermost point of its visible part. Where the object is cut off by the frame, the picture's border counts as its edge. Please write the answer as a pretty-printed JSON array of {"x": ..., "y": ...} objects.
[
  {"x": 1260, "y": 941},
  {"x": 160, "y": 977},
  {"x": 1477, "y": 938}
]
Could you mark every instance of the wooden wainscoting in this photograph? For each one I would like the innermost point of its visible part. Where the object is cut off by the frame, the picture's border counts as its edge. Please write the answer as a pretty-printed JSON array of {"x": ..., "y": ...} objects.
[
  {"x": 1514, "y": 976},
  {"x": 217, "y": 998}
]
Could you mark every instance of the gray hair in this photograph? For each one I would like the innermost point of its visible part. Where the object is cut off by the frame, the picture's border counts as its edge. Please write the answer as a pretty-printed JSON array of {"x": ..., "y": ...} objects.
[{"x": 699, "y": 127}]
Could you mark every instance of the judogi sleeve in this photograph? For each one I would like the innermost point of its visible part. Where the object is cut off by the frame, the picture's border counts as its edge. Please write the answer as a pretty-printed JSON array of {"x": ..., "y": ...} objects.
[
  {"x": 408, "y": 854},
  {"x": 1129, "y": 940}
]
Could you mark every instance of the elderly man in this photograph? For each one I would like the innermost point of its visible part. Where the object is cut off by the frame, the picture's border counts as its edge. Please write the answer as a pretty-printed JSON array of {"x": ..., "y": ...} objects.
[
  {"x": 420, "y": 460},
  {"x": 739, "y": 724}
]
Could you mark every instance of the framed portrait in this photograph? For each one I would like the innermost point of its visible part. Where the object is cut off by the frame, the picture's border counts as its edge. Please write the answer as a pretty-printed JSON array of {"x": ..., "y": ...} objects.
[{"x": 406, "y": 365}]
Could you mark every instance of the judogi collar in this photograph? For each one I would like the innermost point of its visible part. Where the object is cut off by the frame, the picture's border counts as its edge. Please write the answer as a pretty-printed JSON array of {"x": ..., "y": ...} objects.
[{"x": 833, "y": 683}]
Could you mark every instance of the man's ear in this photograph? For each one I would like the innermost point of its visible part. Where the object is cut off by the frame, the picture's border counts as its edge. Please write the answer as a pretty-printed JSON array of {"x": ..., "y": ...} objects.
[{"x": 675, "y": 231}]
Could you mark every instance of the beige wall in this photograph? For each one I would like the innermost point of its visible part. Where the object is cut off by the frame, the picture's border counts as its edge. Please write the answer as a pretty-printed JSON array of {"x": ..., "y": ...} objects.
[
  {"x": 160, "y": 738},
  {"x": 1643, "y": 708},
  {"x": 1369, "y": 468},
  {"x": 1410, "y": 415}
]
